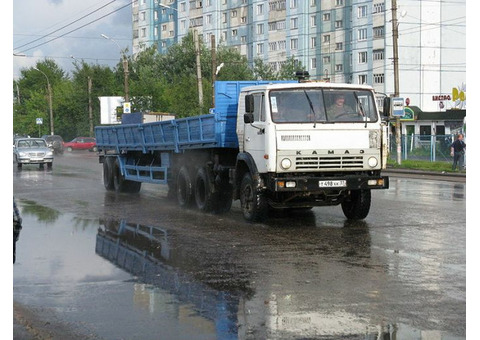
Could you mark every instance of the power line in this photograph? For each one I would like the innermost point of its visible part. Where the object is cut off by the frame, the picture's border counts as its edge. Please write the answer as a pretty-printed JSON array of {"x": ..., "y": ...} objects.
[
  {"x": 65, "y": 26},
  {"x": 76, "y": 29}
]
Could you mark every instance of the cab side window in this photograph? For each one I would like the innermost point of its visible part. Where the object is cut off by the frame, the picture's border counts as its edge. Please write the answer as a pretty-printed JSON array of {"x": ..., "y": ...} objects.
[{"x": 259, "y": 112}]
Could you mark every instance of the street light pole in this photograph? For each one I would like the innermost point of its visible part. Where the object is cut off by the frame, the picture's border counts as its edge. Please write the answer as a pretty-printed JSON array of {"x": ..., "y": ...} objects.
[
  {"x": 49, "y": 100},
  {"x": 398, "y": 131},
  {"x": 125, "y": 66}
]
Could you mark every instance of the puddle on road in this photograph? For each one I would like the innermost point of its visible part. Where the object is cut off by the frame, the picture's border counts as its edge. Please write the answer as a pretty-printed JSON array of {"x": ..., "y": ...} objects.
[{"x": 125, "y": 280}]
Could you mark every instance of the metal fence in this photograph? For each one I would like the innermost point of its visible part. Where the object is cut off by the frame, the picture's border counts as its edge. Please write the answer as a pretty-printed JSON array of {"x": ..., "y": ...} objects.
[{"x": 433, "y": 148}]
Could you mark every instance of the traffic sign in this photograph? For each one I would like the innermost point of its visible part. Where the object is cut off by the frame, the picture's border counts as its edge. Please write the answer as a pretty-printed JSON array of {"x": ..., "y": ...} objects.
[
  {"x": 397, "y": 107},
  {"x": 39, "y": 121},
  {"x": 127, "y": 108}
]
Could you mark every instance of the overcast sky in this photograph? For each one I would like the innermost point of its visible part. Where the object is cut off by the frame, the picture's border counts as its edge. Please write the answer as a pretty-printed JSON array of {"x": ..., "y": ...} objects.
[{"x": 59, "y": 29}]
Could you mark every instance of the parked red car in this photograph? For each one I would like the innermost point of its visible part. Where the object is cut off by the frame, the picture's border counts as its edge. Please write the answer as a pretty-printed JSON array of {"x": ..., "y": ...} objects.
[{"x": 81, "y": 143}]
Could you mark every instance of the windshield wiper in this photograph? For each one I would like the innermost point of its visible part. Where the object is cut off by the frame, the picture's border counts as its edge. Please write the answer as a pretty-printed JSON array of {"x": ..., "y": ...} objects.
[
  {"x": 311, "y": 108},
  {"x": 362, "y": 111}
]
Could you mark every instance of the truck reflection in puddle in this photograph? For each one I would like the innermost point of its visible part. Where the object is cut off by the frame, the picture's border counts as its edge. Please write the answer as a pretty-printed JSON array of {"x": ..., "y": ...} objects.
[
  {"x": 144, "y": 251},
  {"x": 236, "y": 303}
]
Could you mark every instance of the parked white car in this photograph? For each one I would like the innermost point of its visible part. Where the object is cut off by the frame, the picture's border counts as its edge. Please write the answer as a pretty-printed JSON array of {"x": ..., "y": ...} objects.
[{"x": 32, "y": 151}]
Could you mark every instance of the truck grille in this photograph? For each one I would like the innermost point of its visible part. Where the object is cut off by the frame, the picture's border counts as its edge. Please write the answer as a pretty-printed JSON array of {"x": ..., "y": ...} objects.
[{"x": 325, "y": 162}]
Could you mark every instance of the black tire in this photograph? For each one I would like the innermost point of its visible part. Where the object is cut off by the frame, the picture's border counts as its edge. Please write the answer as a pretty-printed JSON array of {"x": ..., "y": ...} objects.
[
  {"x": 357, "y": 205},
  {"x": 184, "y": 188},
  {"x": 253, "y": 201},
  {"x": 121, "y": 184},
  {"x": 203, "y": 190},
  {"x": 108, "y": 173},
  {"x": 50, "y": 166}
]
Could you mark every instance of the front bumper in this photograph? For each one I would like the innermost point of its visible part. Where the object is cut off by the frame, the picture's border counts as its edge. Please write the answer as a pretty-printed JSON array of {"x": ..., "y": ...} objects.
[
  {"x": 25, "y": 160},
  {"x": 317, "y": 184}
]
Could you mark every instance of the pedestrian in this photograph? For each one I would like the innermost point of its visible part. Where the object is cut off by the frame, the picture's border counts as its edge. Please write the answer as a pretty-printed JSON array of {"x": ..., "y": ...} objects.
[
  {"x": 17, "y": 226},
  {"x": 457, "y": 151}
]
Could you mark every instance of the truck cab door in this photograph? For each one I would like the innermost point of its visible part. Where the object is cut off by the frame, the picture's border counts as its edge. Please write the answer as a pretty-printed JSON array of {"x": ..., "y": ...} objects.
[{"x": 254, "y": 133}]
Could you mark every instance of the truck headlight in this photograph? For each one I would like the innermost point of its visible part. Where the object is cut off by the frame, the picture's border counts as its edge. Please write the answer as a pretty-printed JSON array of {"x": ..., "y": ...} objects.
[
  {"x": 286, "y": 163},
  {"x": 372, "y": 162}
]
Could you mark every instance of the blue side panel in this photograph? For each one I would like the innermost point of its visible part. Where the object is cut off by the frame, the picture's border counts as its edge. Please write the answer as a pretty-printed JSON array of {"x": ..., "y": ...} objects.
[{"x": 215, "y": 130}]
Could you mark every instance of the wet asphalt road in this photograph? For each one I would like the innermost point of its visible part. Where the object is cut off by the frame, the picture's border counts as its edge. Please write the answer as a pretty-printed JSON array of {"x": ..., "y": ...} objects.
[{"x": 93, "y": 264}]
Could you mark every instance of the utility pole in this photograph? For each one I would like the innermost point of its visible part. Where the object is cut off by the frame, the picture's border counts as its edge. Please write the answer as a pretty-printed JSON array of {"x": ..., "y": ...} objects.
[
  {"x": 214, "y": 68},
  {"x": 398, "y": 128},
  {"x": 199, "y": 70},
  {"x": 90, "y": 110}
]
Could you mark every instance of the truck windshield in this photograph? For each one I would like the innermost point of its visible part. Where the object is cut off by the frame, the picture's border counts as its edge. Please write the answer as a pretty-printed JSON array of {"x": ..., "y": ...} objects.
[{"x": 322, "y": 106}]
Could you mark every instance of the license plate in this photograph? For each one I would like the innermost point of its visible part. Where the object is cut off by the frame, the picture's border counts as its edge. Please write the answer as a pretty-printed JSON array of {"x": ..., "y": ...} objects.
[{"x": 332, "y": 184}]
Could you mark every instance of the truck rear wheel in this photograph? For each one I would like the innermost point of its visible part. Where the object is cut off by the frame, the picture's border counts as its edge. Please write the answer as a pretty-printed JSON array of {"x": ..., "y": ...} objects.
[
  {"x": 357, "y": 205},
  {"x": 253, "y": 201},
  {"x": 108, "y": 173},
  {"x": 184, "y": 187},
  {"x": 121, "y": 184},
  {"x": 203, "y": 190}
]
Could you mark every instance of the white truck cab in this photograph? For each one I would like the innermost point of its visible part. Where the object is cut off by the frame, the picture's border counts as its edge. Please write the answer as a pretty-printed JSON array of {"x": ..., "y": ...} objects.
[{"x": 313, "y": 144}]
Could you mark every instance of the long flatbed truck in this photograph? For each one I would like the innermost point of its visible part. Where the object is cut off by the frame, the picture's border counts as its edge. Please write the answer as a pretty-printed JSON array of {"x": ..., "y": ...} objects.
[{"x": 272, "y": 145}]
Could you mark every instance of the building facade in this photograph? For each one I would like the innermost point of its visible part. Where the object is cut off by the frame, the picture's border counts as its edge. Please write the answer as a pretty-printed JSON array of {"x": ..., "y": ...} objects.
[{"x": 335, "y": 40}]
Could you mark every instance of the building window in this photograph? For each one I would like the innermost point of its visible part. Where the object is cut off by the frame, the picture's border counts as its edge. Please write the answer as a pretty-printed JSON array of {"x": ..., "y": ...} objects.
[
  {"x": 362, "y": 57},
  {"x": 259, "y": 48},
  {"x": 338, "y": 23},
  {"x": 339, "y": 46},
  {"x": 326, "y": 16},
  {"x": 378, "y": 78},
  {"x": 293, "y": 23},
  {"x": 313, "y": 21},
  {"x": 362, "y": 11},
  {"x": 378, "y": 54},
  {"x": 260, "y": 29},
  {"x": 234, "y": 14},
  {"x": 293, "y": 3},
  {"x": 362, "y": 79},
  {"x": 243, "y": 20},
  {"x": 326, "y": 59},
  {"x": 260, "y": 9},
  {"x": 313, "y": 42},
  {"x": 224, "y": 17},
  {"x": 234, "y": 33},
  {"x": 362, "y": 34},
  {"x": 378, "y": 32},
  {"x": 313, "y": 63},
  {"x": 294, "y": 44},
  {"x": 338, "y": 3},
  {"x": 338, "y": 67},
  {"x": 326, "y": 39},
  {"x": 379, "y": 8}
]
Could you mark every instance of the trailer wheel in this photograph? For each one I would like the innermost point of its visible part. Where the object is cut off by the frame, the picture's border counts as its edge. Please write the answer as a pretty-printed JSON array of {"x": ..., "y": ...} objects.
[
  {"x": 121, "y": 184},
  {"x": 108, "y": 173},
  {"x": 203, "y": 190},
  {"x": 253, "y": 201},
  {"x": 184, "y": 187},
  {"x": 357, "y": 205}
]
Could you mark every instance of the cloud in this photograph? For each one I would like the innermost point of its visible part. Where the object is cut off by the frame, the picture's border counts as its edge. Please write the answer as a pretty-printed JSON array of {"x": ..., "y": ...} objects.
[{"x": 58, "y": 29}]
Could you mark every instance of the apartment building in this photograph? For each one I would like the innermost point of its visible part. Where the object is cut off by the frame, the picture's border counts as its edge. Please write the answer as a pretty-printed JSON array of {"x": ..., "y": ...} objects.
[{"x": 335, "y": 40}]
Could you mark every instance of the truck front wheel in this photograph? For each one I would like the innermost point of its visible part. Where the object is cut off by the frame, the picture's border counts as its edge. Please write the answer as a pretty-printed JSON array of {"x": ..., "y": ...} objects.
[
  {"x": 253, "y": 201},
  {"x": 357, "y": 205}
]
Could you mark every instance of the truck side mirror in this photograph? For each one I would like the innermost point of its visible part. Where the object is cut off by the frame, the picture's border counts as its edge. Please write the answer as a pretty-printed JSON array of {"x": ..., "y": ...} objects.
[
  {"x": 248, "y": 118},
  {"x": 386, "y": 106},
  {"x": 249, "y": 103}
]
